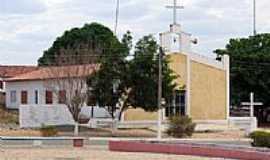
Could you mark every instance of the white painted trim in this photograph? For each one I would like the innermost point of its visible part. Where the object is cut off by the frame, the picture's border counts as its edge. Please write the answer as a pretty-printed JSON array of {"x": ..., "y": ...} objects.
[
  {"x": 164, "y": 114},
  {"x": 226, "y": 61},
  {"x": 123, "y": 116},
  {"x": 203, "y": 59},
  {"x": 208, "y": 61}
]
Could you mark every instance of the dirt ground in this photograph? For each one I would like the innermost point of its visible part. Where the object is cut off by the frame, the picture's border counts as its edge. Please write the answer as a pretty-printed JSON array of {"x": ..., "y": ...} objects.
[
  {"x": 91, "y": 153},
  {"x": 233, "y": 134}
]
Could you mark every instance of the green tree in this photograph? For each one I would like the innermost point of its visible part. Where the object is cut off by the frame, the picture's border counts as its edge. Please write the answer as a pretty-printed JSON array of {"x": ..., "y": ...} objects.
[
  {"x": 145, "y": 75},
  {"x": 250, "y": 67},
  {"x": 133, "y": 82},
  {"x": 82, "y": 45},
  {"x": 110, "y": 83}
]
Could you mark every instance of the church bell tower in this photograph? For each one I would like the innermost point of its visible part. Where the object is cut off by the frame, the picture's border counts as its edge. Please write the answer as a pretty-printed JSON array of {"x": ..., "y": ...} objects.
[{"x": 175, "y": 40}]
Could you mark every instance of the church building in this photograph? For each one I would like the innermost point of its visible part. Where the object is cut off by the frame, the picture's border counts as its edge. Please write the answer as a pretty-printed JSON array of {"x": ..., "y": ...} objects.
[{"x": 203, "y": 81}]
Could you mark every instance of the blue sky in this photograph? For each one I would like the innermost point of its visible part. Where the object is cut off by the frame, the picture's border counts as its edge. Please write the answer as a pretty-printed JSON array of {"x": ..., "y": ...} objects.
[{"x": 28, "y": 27}]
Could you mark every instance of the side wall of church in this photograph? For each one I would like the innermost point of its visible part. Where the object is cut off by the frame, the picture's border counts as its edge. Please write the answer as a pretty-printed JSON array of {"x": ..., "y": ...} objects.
[{"x": 208, "y": 92}]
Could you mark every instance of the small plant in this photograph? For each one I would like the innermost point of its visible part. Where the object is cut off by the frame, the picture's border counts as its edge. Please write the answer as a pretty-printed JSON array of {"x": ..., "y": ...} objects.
[
  {"x": 180, "y": 126},
  {"x": 48, "y": 131},
  {"x": 260, "y": 139}
]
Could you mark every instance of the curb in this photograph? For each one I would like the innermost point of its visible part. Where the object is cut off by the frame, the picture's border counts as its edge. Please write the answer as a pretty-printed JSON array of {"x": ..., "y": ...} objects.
[{"x": 190, "y": 149}]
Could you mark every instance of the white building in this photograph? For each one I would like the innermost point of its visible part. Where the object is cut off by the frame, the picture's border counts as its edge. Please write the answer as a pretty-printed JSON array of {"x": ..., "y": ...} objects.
[
  {"x": 42, "y": 86},
  {"x": 41, "y": 95},
  {"x": 9, "y": 72}
]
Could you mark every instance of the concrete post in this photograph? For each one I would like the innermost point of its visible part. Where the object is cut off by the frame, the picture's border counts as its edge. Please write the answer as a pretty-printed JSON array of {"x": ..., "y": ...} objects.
[{"x": 226, "y": 62}]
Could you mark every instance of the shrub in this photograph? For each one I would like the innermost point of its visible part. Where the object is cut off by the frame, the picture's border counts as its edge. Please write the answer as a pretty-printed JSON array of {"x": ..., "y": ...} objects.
[
  {"x": 48, "y": 131},
  {"x": 180, "y": 126},
  {"x": 260, "y": 139}
]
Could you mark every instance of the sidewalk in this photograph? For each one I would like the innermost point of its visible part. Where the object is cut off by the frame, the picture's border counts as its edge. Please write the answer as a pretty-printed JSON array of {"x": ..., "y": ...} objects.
[{"x": 88, "y": 153}]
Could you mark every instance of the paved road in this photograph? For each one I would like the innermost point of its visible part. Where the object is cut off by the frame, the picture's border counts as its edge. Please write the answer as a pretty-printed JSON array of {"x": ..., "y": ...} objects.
[
  {"x": 6, "y": 142},
  {"x": 95, "y": 148},
  {"x": 87, "y": 153},
  {"x": 13, "y": 142}
]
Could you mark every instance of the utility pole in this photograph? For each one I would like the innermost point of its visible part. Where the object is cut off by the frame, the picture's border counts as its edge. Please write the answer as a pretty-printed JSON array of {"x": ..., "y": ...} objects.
[
  {"x": 254, "y": 18},
  {"x": 116, "y": 16},
  {"x": 159, "y": 135}
]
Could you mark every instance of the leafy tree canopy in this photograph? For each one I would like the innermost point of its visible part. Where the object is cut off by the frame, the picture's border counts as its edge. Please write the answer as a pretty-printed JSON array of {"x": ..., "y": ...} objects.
[
  {"x": 82, "y": 45},
  {"x": 145, "y": 75},
  {"x": 136, "y": 79},
  {"x": 250, "y": 67},
  {"x": 121, "y": 81}
]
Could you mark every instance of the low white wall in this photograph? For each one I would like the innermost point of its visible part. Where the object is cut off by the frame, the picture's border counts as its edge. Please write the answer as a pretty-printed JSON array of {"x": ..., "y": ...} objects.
[
  {"x": 32, "y": 116},
  {"x": 249, "y": 124},
  {"x": 97, "y": 112}
]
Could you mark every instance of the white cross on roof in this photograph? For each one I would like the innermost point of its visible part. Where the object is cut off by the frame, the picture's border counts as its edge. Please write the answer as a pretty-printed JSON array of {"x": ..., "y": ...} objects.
[{"x": 175, "y": 7}]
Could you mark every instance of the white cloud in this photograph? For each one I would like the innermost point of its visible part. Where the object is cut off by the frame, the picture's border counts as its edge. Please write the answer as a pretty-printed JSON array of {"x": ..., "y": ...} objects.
[
  {"x": 25, "y": 7},
  {"x": 28, "y": 27}
]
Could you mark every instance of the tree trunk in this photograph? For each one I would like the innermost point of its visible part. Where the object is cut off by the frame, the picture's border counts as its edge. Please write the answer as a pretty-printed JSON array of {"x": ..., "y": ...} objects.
[
  {"x": 122, "y": 109},
  {"x": 114, "y": 127},
  {"x": 76, "y": 129},
  {"x": 124, "y": 104}
]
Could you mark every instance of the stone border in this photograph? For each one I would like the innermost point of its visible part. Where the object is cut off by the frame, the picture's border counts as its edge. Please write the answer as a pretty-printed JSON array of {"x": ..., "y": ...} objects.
[{"x": 190, "y": 149}]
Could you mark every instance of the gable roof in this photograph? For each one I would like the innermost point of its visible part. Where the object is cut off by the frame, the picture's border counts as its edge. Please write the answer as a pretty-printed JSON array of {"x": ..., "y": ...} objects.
[
  {"x": 44, "y": 73},
  {"x": 8, "y": 71}
]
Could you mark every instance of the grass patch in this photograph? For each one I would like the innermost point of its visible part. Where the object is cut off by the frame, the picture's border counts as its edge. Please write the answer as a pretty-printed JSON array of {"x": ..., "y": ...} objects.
[{"x": 48, "y": 131}]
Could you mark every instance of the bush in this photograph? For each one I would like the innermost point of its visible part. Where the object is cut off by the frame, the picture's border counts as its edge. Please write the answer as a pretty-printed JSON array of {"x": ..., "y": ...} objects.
[
  {"x": 180, "y": 127},
  {"x": 260, "y": 139},
  {"x": 48, "y": 131}
]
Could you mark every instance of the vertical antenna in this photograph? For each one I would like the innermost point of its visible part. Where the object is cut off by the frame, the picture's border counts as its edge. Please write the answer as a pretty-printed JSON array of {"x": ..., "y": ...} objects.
[
  {"x": 254, "y": 18},
  {"x": 116, "y": 17}
]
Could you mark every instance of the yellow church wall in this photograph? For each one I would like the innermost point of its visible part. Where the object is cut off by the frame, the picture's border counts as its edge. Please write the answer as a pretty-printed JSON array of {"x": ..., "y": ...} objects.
[
  {"x": 208, "y": 92},
  {"x": 178, "y": 63},
  {"x": 139, "y": 114}
]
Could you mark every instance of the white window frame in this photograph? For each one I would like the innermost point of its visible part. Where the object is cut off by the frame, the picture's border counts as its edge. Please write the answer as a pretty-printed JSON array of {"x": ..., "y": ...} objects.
[{"x": 13, "y": 96}]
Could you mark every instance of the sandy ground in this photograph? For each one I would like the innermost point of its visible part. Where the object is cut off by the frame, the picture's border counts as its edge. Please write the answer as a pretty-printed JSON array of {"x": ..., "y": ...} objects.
[
  {"x": 91, "y": 153},
  {"x": 233, "y": 134}
]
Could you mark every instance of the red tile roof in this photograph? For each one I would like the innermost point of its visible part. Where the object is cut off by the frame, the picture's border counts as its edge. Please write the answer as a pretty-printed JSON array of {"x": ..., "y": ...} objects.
[
  {"x": 11, "y": 71},
  {"x": 56, "y": 72}
]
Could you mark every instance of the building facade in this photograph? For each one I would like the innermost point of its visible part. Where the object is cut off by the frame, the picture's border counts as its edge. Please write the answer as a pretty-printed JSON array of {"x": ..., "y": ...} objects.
[
  {"x": 9, "y": 72},
  {"x": 203, "y": 82}
]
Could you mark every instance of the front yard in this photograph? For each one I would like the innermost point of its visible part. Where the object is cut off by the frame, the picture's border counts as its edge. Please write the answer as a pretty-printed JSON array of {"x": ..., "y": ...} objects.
[
  {"x": 139, "y": 133},
  {"x": 8, "y": 119},
  {"x": 9, "y": 127}
]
